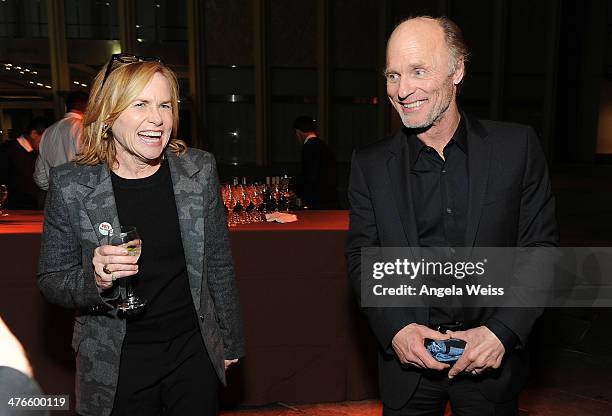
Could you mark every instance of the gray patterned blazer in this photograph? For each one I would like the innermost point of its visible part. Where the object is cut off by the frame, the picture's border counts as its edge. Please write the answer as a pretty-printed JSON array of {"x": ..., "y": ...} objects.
[{"x": 80, "y": 198}]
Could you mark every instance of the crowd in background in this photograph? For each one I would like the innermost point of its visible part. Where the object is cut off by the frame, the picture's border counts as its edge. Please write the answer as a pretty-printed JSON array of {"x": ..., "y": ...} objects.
[{"x": 25, "y": 161}]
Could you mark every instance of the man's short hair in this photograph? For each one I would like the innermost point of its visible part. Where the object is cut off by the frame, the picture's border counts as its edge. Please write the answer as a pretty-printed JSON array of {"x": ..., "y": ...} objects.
[
  {"x": 454, "y": 39},
  {"x": 38, "y": 124},
  {"x": 76, "y": 100},
  {"x": 305, "y": 124}
]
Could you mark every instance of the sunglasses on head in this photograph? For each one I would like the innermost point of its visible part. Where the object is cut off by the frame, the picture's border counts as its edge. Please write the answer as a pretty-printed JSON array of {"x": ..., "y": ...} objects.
[{"x": 126, "y": 58}]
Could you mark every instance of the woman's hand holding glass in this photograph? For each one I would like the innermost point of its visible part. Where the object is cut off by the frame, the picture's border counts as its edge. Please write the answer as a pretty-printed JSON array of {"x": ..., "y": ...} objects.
[{"x": 115, "y": 260}]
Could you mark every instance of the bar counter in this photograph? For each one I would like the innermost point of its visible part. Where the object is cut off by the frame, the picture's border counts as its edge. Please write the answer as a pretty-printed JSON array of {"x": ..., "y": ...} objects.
[{"x": 305, "y": 340}]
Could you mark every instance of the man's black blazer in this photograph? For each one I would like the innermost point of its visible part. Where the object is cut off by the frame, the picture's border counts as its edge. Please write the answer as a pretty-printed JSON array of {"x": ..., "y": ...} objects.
[
  {"x": 317, "y": 182},
  {"x": 510, "y": 205}
]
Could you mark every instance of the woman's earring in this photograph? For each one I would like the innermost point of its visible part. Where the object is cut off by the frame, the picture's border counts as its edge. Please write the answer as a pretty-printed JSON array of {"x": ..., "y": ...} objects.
[{"x": 105, "y": 132}]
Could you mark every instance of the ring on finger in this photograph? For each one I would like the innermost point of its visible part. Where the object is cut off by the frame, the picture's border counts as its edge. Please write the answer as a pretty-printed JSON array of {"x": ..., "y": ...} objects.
[
  {"x": 113, "y": 277},
  {"x": 106, "y": 270}
]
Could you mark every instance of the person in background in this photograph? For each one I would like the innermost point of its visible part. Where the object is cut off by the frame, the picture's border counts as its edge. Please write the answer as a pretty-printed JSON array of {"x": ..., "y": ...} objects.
[
  {"x": 318, "y": 179},
  {"x": 62, "y": 140},
  {"x": 17, "y": 163},
  {"x": 170, "y": 356}
]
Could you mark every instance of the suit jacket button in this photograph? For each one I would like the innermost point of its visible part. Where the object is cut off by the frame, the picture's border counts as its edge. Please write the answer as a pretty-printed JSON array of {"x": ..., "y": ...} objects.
[{"x": 202, "y": 317}]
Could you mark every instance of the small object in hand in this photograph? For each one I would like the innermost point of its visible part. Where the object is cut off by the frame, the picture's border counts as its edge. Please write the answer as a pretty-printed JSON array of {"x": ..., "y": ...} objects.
[
  {"x": 106, "y": 270},
  {"x": 445, "y": 351}
]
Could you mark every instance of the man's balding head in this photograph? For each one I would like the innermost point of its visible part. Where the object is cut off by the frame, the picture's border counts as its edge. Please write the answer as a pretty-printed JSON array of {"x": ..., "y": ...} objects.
[
  {"x": 425, "y": 65},
  {"x": 451, "y": 33}
]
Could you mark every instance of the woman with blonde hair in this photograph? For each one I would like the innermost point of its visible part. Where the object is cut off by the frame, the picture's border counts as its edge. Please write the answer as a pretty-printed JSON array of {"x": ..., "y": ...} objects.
[{"x": 168, "y": 350}]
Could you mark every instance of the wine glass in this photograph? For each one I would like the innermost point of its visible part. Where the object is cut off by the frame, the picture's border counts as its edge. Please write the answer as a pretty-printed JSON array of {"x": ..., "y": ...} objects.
[
  {"x": 127, "y": 236},
  {"x": 288, "y": 196},
  {"x": 232, "y": 204},
  {"x": 226, "y": 194},
  {"x": 256, "y": 203},
  {"x": 245, "y": 202},
  {"x": 276, "y": 195},
  {"x": 3, "y": 196}
]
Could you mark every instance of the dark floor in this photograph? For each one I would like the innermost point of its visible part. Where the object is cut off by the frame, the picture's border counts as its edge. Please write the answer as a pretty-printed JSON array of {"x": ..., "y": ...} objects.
[
  {"x": 570, "y": 384},
  {"x": 572, "y": 360},
  {"x": 534, "y": 402}
]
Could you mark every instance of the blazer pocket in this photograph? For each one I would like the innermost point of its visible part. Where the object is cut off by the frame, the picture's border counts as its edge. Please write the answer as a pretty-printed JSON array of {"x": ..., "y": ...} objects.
[
  {"x": 77, "y": 335},
  {"x": 77, "y": 332}
]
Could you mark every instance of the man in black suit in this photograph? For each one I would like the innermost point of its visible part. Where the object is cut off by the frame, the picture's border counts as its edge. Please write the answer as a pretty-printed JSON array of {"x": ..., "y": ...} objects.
[
  {"x": 17, "y": 163},
  {"x": 446, "y": 180},
  {"x": 318, "y": 180}
]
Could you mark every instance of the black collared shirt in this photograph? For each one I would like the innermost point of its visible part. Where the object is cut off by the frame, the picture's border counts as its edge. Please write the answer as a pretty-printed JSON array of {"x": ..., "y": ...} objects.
[
  {"x": 440, "y": 199},
  {"x": 440, "y": 189}
]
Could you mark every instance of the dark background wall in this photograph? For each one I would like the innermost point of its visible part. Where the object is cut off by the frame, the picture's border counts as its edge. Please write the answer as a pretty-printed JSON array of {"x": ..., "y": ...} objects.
[{"x": 248, "y": 67}]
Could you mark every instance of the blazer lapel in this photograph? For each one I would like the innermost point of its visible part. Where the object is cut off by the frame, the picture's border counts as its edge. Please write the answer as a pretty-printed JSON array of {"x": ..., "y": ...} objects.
[
  {"x": 398, "y": 168},
  {"x": 479, "y": 151},
  {"x": 100, "y": 202},
  {"x": 189, "y": 195}
]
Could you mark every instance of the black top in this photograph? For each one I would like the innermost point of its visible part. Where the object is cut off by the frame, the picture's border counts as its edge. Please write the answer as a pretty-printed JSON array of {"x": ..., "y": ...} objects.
[
  {"x": 318, "y": 180},
  {"x": 440, "y": 189},
  {"x": 440, "y": 198},
  {"x": 149, "y": 205}
]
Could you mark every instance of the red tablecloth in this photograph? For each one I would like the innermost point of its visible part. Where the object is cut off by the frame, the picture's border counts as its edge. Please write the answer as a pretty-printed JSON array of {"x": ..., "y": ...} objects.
[
  {"x": 21, "y": 222},
  {"x": 305, "y": 340}
]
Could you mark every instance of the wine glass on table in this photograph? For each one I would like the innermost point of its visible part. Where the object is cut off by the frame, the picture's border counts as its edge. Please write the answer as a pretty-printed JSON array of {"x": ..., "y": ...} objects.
[
  {"x": 276, "y": 195},
  {"x": 127, "y": 236},
  {"x": 226, "y": 194},
  {"x": 287, "y": 194},
  {"x": 236, "y": 205},
  {"x": 257, "y": 203},
  {"x": 246, "y": 203},
  {"x": 3, "y": 196}
]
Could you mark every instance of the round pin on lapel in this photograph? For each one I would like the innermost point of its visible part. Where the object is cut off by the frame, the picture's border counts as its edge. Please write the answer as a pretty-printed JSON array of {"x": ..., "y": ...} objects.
[{"x": 105, "y": 228}]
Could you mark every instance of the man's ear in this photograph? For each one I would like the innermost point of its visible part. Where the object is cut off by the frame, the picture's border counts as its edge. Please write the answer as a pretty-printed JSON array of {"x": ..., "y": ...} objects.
[{"x": 459, "y": 72}]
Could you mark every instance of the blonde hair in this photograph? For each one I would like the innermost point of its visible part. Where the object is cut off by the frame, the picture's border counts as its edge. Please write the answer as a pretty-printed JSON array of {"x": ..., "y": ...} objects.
[{"x": 109, "y": 98}]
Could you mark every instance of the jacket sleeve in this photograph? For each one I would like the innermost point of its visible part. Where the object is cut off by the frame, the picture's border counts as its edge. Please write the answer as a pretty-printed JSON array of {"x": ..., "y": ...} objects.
[
  {"x": 537, "y": 228},
  {"x": 62, "y": 277},
  {"x": 41, "y": 173},
  {"x": 384, "y": 322},
  {"x": 15, "y": 384},
  {"x": 221, "y": 276}
]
